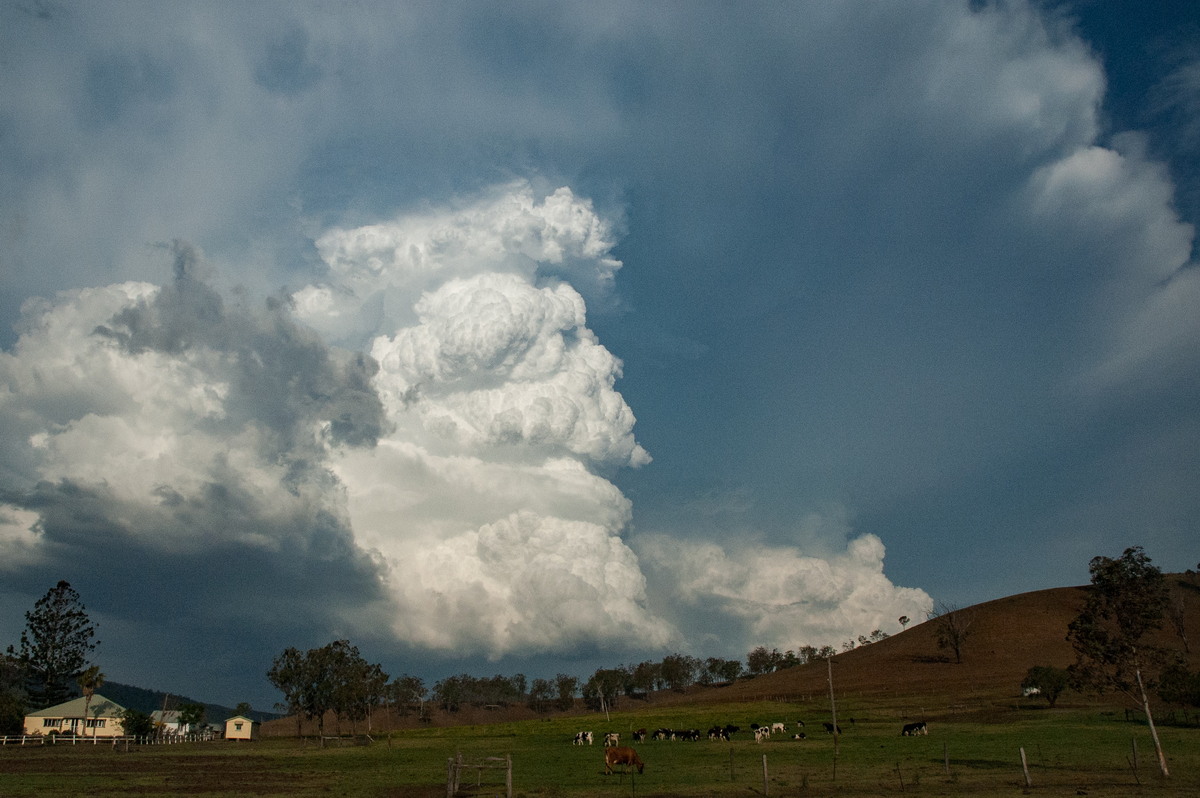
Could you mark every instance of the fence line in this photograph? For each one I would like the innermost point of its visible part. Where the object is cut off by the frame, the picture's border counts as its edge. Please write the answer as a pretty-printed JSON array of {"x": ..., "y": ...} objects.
[{"x": 64, "y": 739}]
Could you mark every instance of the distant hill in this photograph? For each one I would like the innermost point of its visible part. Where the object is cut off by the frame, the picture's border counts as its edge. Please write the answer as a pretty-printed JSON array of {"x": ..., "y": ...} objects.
[
  {"x": 149, "y": 701},
  {"x": 907, "y": 670}
]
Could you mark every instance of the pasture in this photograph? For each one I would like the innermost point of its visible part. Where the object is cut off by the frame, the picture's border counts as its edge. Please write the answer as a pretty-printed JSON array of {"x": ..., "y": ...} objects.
[{"x": 1076, "y": 750}]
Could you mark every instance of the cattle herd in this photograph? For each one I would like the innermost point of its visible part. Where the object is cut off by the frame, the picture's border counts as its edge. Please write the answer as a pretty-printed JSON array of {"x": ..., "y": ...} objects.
[{"x": 616, "y": 754}]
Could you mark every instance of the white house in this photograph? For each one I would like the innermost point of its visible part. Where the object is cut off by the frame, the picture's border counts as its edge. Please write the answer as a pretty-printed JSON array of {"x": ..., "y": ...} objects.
[
  {"x": 98, "y": 718},
  {"x": 168, "y": 722},
  {"x": 240, "y": 727}
]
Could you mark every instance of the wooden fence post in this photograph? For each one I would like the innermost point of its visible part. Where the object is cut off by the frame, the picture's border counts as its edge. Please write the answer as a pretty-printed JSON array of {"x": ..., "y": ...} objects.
[
  {"x": 1025, "y": 768},
  {"x": 766, "y": 783}
]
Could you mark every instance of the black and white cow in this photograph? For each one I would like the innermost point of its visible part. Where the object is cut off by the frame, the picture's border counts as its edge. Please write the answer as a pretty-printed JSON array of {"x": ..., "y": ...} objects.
[
  {"x": 583, "y": 738},
  {"x": 913, "y": 729}
]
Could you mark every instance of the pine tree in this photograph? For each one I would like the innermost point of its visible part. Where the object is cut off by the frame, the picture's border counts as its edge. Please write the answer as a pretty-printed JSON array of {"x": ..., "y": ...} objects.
[{"x": 55, "y": 646}]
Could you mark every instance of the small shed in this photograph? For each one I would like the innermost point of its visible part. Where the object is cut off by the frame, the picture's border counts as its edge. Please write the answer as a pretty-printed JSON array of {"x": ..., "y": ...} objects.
[{"x": 240, "y": 727}]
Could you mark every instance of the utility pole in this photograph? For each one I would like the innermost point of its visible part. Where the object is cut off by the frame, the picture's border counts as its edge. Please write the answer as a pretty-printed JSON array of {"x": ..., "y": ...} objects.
[{"x": 832, "y": 705}]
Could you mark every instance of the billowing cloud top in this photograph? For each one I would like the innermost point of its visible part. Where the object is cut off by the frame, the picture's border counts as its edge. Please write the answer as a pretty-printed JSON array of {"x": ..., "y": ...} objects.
[{"x": 451, "y": 468}]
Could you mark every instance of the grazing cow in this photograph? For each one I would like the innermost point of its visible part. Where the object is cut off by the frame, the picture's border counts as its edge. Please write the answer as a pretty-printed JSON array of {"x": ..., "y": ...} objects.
[
  {"x": 583, "y": 738},
  {"x": 639, "y": 735},
  {"x": 663, "y": 734},
  {"x": 730, "y": 729},
  {"x": 778, "y": 727},
  {"x": 800, "y": 736},
  {"x": 611, "y": 739},
  {"x": 618, "y": 755},
  {"x": 830, "y": 728},
  {"x": 762, "y": 733},
  {"x": 717, "y": 733},
  {"x": 913, "y": 729}
]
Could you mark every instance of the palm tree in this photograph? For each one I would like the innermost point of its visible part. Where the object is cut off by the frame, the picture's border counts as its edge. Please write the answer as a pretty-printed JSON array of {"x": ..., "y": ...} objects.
[{"x": 89, "y": 682}]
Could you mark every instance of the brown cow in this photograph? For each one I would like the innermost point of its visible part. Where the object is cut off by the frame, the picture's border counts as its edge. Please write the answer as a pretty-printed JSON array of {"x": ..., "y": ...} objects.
[{"x": 620, "y": 755}]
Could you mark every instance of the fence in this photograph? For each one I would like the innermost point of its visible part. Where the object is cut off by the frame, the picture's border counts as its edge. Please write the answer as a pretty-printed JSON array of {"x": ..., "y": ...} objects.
[
  {"x": 456, "y": 765},
  {"x": 73, "y": 739}
]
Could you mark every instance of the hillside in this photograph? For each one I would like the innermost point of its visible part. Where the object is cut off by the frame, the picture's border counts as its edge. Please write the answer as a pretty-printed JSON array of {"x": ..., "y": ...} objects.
[
  {"x": 1008, "y": 636},
  {"x": 149, "y": 701}
]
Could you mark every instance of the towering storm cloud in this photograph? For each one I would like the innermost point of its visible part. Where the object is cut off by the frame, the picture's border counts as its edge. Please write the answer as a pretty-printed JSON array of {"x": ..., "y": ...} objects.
[{"x": 449, "y": 472}]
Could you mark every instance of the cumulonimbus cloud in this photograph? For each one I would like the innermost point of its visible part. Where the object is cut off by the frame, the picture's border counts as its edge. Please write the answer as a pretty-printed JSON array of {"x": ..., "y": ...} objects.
[{"x": 449, "y": 468}]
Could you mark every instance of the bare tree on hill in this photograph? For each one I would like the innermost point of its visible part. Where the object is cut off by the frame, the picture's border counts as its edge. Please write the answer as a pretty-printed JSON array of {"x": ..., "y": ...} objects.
[{"x": 952, "y": 626}]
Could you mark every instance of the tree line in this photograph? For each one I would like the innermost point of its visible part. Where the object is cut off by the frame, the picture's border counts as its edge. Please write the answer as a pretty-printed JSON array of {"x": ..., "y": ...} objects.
[{"x": 336, "y": 679}]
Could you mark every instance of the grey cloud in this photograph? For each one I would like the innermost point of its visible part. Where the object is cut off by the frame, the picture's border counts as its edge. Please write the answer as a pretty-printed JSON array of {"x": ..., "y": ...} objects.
[{"x": 283, "y": 375}]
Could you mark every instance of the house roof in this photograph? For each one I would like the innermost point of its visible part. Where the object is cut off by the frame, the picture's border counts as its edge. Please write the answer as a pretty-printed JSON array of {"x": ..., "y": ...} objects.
[
  {"x": 100, "y": 707},
  {"x": 240, "y": 717}
]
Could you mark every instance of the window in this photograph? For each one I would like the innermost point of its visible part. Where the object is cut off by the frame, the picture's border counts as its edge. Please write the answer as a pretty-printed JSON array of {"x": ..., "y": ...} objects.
[
  {"x": 237, "y": 725},
  {"x": 52, "y": 721},
  {"x": 95, "y": 723}
]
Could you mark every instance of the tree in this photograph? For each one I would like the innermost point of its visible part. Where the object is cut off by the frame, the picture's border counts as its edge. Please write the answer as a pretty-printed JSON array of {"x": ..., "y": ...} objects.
[
  {"x": 89, "y": 682},
  {"x": 333, "y": 678},
  {"x": 541, "y": 692},
  {"x": 762, "y": 660},
  {"x": 717, "y": 669},
  {"x": 137, "y": 723},
  {"x": 1049, "y": 681},
  {"x": 12, "y": 695},
  {"x": 603, "y": 689},
  {"x": 405, "y": 691},
  {"x": 191, "y": 716},
  {"x": 1178, "y": 685},
  {"x": 289, "y": 674},
  {"x": 646, "y": 676},
  {"x": 55, "y": 645},
  {"x": 679, "y": 671},
  {"x": 952, "y": 628},
  {"x": 1125, "y": 601},
  {"x": 565, "y": 689}
]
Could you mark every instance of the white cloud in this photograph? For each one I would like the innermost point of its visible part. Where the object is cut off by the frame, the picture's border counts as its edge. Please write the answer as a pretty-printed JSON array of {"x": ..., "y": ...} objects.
[
  {"x": 376, "y": 271},
  {"x": 457, "y": 469},
  {"x": 20, "y": 544},
  {"x": 496, "y": 535},
  {"x": 782, "y": 597}
]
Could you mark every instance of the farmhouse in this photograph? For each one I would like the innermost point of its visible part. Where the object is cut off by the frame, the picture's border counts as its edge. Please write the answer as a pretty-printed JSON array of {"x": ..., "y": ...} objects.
[
  {"x": 168, "y": 722},
  {"x": 240, "y": 727},
  {"x": 102, "y": 718}
]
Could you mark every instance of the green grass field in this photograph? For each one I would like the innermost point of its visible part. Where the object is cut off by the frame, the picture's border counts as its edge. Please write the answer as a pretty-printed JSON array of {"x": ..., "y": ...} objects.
[{"x": 1073, "y": 751}]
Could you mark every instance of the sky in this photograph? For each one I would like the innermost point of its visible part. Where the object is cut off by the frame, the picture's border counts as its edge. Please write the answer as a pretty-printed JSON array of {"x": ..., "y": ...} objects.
[{"x": 540, "y": 337}]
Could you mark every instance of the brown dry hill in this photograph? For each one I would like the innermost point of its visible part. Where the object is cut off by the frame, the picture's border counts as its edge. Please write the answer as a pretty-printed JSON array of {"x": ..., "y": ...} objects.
[{"x": 1007, "y": 637}]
